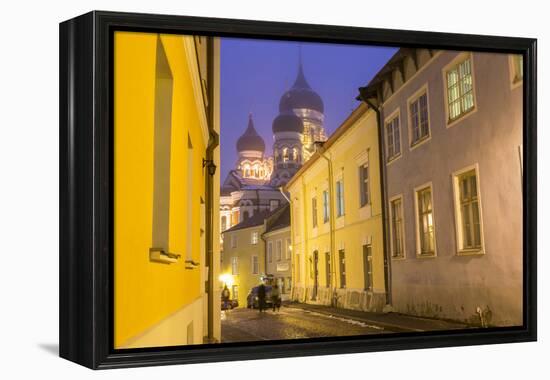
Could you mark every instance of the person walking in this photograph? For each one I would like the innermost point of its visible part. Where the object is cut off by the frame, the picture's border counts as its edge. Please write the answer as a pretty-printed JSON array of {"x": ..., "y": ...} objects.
[
  {"x": 225, "y": 297},
  {"x": 261, "y": 297},
  {"x": 276, "y": 297}
]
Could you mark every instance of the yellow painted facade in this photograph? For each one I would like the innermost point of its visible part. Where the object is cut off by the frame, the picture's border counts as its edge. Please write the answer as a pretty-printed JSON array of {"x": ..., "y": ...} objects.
[
  {"x": 332, "y": 260},
  {"x": 238, "y": 245},
  {"x": 159, "y": 128}
]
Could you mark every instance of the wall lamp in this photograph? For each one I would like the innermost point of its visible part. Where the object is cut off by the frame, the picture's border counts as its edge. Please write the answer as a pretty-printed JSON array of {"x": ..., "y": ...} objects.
[{"x": 209, "y": 164}]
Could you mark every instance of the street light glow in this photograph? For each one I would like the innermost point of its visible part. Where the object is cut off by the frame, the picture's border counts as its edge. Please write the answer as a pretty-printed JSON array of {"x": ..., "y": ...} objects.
[{"x": 227, "y": 279}]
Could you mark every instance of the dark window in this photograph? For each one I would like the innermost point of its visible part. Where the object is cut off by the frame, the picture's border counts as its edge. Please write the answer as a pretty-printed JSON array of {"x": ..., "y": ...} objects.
[{"x": 342, "y": 259}]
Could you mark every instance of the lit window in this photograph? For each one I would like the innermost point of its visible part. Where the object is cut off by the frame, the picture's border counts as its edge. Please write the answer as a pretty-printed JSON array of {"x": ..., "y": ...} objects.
[
  {"x": 314, "y": 211},
  {"x": 393, "y": 135},
  {"x": 285, "y": 155},
  {"x": 396, "y": 209},
  {"x": 224, "y": 223},
  {"x": 254, "y": 238},
  {"x": 340, "y": 198},
  {"x": 517, "y": 62},
  {"x": 426, "y": 231},
  {"x": 468, "y": 211},
  {"x": 288, "y": 247},
  {"x": 364, "y": 184},
  {"x": 342, "y": 262},
  {"x": 367, "y": 267},
  {"x": 460, "y": 89},
  {"x": 420, "y": 128},
  {"x": 234, "y": 265},
  {"x": 325, "y": 206},
  {"x": 255, "y": 265}
]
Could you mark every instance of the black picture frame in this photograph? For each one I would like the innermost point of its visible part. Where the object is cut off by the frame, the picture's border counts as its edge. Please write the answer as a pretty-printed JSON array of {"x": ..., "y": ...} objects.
[{"x": 86, "y": 134}]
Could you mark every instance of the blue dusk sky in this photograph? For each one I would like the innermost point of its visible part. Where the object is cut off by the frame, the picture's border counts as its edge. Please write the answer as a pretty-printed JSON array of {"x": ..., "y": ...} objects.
[{"x": 256, "y": 73}]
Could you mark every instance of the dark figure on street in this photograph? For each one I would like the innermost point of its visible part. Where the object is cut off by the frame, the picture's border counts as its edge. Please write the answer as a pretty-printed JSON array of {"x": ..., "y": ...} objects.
[
  {"x": 261, "y": 297},
  {"x": 225, "y": 296},
  {"x": 276, "y": 297}
]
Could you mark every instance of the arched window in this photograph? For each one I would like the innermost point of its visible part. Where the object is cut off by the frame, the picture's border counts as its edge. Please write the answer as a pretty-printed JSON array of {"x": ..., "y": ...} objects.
[
  {"x": 295, "y": 154},
  {"x": 245, "y": 215},
  {"x": 285, "y": 154},
  {"x": 246, "y": 171}
]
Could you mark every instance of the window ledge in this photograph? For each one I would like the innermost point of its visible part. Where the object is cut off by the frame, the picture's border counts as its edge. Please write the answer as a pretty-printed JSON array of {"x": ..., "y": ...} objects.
[
  {"x": 420, "y": 142},
  {"x": 398, "y": 258},
  {"x": 471, "y": 252},
  {"x": 426, "y": 255},
  {"x": 461, "y": 117},
  {"x": 393, "y": 159}
]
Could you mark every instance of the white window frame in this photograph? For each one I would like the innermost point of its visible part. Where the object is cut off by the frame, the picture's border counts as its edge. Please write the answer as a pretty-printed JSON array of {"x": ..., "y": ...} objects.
[
  {"x": 395, "y": 114},
  {"x": 340, "y": 200},
  {"x": 279, "y": 250},
  {"x": 454, "y": 63},
  {"x": 326, "y": 206},
  {"x": 460, "y": 250},
  {"x": 234, "y": 265},
  {"x": 412, "y": 99},
  {"x": 404, "y": 253},
  {"x": 416, "y": 190},
  {"x": 233, "y": 241},
  {"x": 314, "y": 212},
  {"x": 254, "y": 264},
  {"x": 270, "y": 252},
  {"x": 254, "y": 237}
]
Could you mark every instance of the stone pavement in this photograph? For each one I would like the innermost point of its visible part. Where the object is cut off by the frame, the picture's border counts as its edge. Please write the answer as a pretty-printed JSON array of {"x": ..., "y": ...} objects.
[{"x": 394, "y": 322}]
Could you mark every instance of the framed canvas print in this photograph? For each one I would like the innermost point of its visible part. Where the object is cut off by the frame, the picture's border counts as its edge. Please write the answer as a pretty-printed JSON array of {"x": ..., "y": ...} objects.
[{"x": 236, "y": 190}]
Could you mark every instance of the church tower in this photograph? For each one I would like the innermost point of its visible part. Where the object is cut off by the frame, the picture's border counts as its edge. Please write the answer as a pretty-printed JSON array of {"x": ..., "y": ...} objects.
[
  {"x": 251, "y": 164},
  {"x": 288, "y": 132},
  {"x": 306, "y": 104}
]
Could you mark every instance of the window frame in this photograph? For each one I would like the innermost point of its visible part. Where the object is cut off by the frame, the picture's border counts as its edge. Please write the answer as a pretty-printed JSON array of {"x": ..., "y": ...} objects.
[
  {"x": 269, "y": 251},
  {"x": 326, "y": 206},
  {"x": 360, "y": 169},
  {"x": 340, "y": 201},
  {"x": 423, "y": 90},
  {"x": 392, "y": 116},
  {"x": 254, "y": 237},
  {"x": 460, "y": 58},
  {"x": 514, "y": 80},
  {"x": 252, "y": 267},
  {"x": 233, "y": 241},
  {"x": 403, "y": 234},
  {"x": 416, "y": 190},
  {"x": 460, "y": 250},
  {"x": 234, "y": 265},
  {"x": 314, "y": 212},
  {"x": 278, "y": 250}
]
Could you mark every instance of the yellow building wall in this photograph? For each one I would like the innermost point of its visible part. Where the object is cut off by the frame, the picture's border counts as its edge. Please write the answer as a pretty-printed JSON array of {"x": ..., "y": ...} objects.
[
  {"x": 146, "y": 292},
  {"x": 357, "y": 227},
  {"x": 244, "y": 250}
]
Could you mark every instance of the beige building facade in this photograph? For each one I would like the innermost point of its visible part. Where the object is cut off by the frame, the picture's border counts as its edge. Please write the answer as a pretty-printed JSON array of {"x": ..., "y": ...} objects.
[
  {"x": 336, "y": 220},
  {"x": 452, "y": 161}
]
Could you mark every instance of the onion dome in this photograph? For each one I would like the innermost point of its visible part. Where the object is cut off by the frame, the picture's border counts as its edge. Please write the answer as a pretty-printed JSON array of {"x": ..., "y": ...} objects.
[
  {"x": 250, "y": 140},
  {"x": 287, "y": 122},
  {"x": 301, "y": 95}
]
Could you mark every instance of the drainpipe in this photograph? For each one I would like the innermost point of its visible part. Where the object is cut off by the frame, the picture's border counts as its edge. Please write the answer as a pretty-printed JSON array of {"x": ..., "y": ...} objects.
[
  {"x": 292, "y": 241},
  {"x": 383, "y": 195},
  {"x": 332, "y": 226},
  {"x": 210, "y": 167}
]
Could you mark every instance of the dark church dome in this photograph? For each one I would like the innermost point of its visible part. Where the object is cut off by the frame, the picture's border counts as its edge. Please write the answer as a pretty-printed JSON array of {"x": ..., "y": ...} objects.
[
  {"x": 287, "y": 122},
  {"x": 301, "y": 95},
  {"x": 250, "y": 140}
]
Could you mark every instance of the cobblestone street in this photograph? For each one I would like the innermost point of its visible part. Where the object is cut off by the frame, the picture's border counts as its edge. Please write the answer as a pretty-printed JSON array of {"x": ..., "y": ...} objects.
[{"x": 309, "y": 321}]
